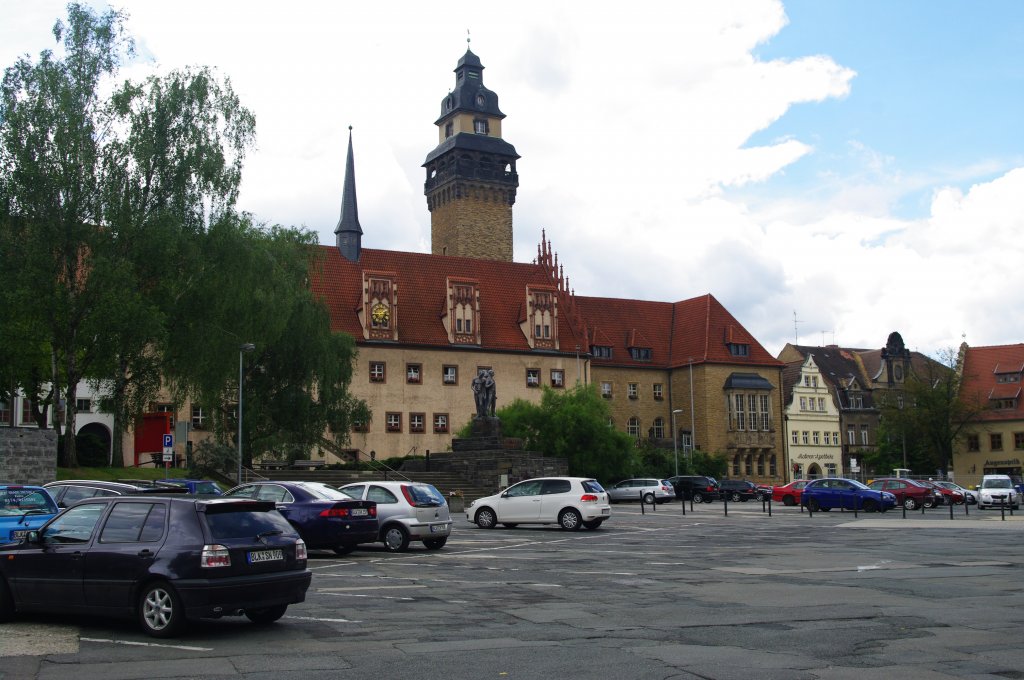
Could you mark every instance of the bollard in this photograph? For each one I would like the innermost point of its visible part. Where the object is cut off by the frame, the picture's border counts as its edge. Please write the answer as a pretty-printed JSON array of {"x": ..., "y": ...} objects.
[
  {"x": 769, "y": 506},
  {"x": 725, "y": 504},
  {"x": 691, "y": 502},
  {"x": 810, "y": 513},
  {"x": 856, "y": 502},
  {"x": 951, "y": 504},
  {"x": 682, "y": 503},
  {"x": 922, "y": 508},
  {"x": 967, "y": 510},
  {"x": 1002, "y": 507},
  {"x": 904, "y": 504},
  {"x": 643, "y": 510}
]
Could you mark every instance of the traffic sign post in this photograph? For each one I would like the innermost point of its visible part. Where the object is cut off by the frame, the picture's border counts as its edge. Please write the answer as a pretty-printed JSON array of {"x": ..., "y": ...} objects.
[{"x": 168, "y": 450}]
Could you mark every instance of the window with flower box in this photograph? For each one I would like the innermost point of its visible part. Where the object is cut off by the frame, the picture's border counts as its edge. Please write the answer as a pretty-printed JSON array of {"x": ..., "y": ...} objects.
[
  {"x": 413, "y": 373},
  {"x": 659, "y": 391},
  {"x": 377, "y": 371},
  {"x": 533, "y": 377},
  {"x": 632, "y": 390},
  {"x": 440, "y": 423},
  {"x": 606, "y": 390},
  {"x": 557, "y": 378},
  {"x": 450, "y": 375},
  {"x": 416, "y": 422},
  {"x": 393, "y": 422}
]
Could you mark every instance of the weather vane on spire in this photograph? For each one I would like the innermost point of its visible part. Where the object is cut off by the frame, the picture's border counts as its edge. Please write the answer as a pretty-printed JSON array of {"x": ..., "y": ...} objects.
[{"x": 467, "y": 38}]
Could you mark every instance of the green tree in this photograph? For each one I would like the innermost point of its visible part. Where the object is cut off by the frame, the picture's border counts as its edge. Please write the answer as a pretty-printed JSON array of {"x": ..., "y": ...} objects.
[
  {"x": 572, "y": 424},
  {"x": 99, "y": 197},
  {"x": 930, "y": 415}
]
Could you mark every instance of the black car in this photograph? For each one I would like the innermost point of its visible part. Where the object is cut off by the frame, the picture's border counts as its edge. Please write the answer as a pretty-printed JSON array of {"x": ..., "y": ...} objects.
[
  {"x": 699, "y": 488},
  {"x": 67, "y": 492},
  {"x": 739, "y": 490},
  {"x": 160, "y": 559}
]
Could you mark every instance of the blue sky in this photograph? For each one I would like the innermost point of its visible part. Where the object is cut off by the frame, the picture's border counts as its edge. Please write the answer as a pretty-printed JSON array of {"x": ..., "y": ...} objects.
[{"x": 857, "y": 163}]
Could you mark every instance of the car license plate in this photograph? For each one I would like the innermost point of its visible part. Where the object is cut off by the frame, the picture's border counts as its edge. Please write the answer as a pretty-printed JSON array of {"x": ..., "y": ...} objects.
[
  {"x": 265, "y": 556},
  {"x": 359, "y": 512},
  {"x": 20, "y": 533},
  {"x": 436, "y": 528},
  {"x": 606, "y": 511}
]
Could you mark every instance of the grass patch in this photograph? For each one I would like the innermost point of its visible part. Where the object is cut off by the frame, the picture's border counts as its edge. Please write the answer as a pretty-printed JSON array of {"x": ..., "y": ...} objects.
[{"x": 111, "y": 473}]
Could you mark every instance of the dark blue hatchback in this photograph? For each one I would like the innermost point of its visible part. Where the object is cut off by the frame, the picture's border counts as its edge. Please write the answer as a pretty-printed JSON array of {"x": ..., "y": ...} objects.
[{"x": 848, "y": 494}]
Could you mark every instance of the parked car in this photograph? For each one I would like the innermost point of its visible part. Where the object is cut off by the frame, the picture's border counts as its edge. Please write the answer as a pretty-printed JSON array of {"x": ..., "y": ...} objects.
[
  {"x": 737, "y": 490},
  {"x": 847, "y": 494},
  {"x": 570, "y": 502},
  {"x": 406, "y": 511},
  {"x": 23, "y": 508},
  {"x": 324, "y": 517},
  {"x": 909, "y": 493},
  {"x": 996, "y": 491},
  {"x": 949, "y": 496},
  {"x": 160, "y": 559},
  {"x": 971, "y": 497},
  {"x": 789, "y": 494},
  {"x": 196, "y": 487},
  {"x": 650, "y": 489},
  {"x": 67, "y": 492},
  {"x": 764, "y": 491},
  {"x": 700, "y": 488}
]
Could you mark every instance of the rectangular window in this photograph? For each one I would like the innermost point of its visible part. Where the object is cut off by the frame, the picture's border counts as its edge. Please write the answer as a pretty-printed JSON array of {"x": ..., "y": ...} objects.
[
  {"x": 440, "y": 423},
  {"x": 815, "y": 437},
  {"x": 413, "y": 373},
  {"x": 601, "y": 351},
  {"x": 973, "y": 444},
  {"x": 766, "y": 413},
  {"x": 1018, "y": 440},
  {"x": 805, "y": 437},
  {"x": 198, "y": 419},
  {"x": 377, "y": 371},
  {"x": 557, "y": 377},
  {"x": 632, "y": 390},
  {"x": 659, "y": 391},
  {"x": 83, "y": 405},
  {"x": 741, "y": 420},
  {"x": 803, "y": 403},
  {"x": 26, "y": 412},
  {"x": 995, "y": 441},
  {"x": 606, "y": 390},
  {"x": 835, "y": 439},
  {"x": 864, "y": 435},
  {"x": 736, "y": 466},
  {"x": 772, "y": 471},
  {"x": 533, "y": 377},
  {"x": 830, "y": 469},
  {"x": 760, "y": 465},
  {"x": 807, "y": 381},
  {"x": 821, "y": 403},
  {"x": 480, "y": 126},
  {"x": 167, "y": 408},
  {"x": 5, "y": 412},
  {"x": 393, "y": 422},
  {"x": 416, "y": 422},
  {"x": 851, "y": 435},
  {"x": 450, "y": 375},
  {"x": 796, "y": 437},
  {"x": 640, "y": 353},
  {"x": 448, "y": 130},
  {"x": 739, "y": 350}
]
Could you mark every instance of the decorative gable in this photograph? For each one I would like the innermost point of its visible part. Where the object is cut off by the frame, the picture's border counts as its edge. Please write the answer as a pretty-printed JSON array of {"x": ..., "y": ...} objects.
[
  {"x": 540, "y": 325},
  {"x": 462, "y": 311},
  {"x": 378, "y": 314}
]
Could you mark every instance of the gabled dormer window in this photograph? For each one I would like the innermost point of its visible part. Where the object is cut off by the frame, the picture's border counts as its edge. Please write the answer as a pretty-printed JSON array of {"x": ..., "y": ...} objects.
[
  {"x": 640, "y": 353},
  {"x": 541, "y": 323},
  {"x": 738, "y": 349},
  {"x": 463, "y": 312},
  {"x": 601, "y": 351},
  {"x": 380, "y": 309}
]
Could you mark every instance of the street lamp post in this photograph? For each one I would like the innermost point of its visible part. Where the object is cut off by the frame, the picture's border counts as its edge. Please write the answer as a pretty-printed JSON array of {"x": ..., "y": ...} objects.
[
  {"x": 693, "y": 424},
  {"x": 247, "y": 347},
  {"x": 675, "y": 438}
]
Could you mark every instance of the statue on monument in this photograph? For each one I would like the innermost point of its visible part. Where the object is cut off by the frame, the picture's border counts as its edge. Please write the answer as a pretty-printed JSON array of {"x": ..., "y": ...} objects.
[{"x": 484, "y": 393}]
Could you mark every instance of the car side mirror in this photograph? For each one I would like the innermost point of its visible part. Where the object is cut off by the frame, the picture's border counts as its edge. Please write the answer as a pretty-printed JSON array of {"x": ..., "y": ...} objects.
[
  {"x": 504, "y": 494},
  {"x": 32, "y": 536}
]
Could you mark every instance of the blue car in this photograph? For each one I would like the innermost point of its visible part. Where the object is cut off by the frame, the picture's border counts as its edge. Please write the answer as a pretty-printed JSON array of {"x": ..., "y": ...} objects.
[
  {"x": 324, "y": 517},
  {"x": 203, "y": 488},
  {"x": 848, "y": 494},
  {"x": 22, "y": 509}
]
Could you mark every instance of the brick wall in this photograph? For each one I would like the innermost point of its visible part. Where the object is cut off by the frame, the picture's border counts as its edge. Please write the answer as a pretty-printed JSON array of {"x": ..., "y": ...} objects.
[
  {"x": 479, "y": 227},
  {"x": 27, "y": 455}
]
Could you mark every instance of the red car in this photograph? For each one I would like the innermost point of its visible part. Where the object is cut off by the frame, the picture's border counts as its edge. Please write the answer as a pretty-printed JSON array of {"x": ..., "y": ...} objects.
[
  {"x": 910, "y": 493},
  {"x": 950, "y": 496},
  {"x": 789, "y": 494}
]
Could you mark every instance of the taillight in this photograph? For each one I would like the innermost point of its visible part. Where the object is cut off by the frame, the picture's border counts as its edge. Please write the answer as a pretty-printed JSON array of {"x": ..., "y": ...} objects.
[
  {"x": 588, "y": 498},
  {"x": 300, "y": 550},
  {"x": 710, "y": 488},
  {"x": 408, "y": 495},
  {"x": 215, "y": 556},
  {"x": 372, "y": 511},
  {"x": 334, "y": 512}
]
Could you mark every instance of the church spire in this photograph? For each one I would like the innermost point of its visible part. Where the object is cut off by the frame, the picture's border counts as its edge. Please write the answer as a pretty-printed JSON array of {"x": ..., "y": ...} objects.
[{"x": 349, "y": 233}]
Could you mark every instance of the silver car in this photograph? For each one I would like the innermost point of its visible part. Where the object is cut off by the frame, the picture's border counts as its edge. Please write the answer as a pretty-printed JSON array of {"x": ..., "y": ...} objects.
[
  {"x": 649, "y": 489},
  {"x": 406, "y": 511}
]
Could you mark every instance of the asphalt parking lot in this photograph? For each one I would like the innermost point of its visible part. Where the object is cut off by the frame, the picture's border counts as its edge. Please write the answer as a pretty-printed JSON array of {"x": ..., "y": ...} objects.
[{"x": 655, "y": 595}]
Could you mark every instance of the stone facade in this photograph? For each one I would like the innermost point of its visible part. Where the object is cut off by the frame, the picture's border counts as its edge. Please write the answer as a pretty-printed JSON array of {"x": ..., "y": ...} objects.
[
  {"x": 478, "y": 224},
  {"x": 27, "y": 455}
]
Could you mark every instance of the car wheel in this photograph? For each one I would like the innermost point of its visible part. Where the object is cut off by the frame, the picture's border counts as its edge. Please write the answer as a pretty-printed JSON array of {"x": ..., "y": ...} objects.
[
  {"x": 486, "y": 519},
  {"x": 160, "y": 610},
  {"x": 930, "y": 503},
  {"x": 435, "y": 543},
  {"x": 592, "y": 524},
  {"x": 813, "y": 505},
  {"x": 6, "y": 602},
  {"x": 788, "y": 501},
  {"x": 698, "y": 497},
  {"x": 870, "y": 506},
  {"x": 649, "y": 498},
  {"x": 909, "y": 503},
  {"x": 343, "y": 549},
  {"x": 396, "y": 538},
  {"x": 509, "y": 525},
  {"x": 735, "y": 498},
  {"x": 570, "y": 519},
  {"x": 266, "y": 615}
]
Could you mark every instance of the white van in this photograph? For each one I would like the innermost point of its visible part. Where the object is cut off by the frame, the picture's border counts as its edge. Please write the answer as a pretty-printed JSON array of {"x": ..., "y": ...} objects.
[{"x": 998, "y": 490}]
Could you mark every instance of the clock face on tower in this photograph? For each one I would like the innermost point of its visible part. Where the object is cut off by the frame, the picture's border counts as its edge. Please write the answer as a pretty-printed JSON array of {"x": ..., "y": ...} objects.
[{"x": 380, "y": 314}]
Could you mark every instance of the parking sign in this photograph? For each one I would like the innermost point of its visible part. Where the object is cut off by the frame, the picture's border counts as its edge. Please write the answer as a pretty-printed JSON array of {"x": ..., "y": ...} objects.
[{"x": 168, "y": 440}]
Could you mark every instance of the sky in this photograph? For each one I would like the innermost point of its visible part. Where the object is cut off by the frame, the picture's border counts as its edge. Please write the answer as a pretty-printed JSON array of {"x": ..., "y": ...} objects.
[{"x": 830, "y": 171}]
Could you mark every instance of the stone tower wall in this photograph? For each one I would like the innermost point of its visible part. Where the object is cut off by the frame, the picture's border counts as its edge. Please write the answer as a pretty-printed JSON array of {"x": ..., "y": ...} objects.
[{"x": 478, "y": 225}]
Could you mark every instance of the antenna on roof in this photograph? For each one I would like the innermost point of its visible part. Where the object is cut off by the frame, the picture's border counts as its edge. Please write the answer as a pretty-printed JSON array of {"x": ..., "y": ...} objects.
[{"x": 796, "y": 334}]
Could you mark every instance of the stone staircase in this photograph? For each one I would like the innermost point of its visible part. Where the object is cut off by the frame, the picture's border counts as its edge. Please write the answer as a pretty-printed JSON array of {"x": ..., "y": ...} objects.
[{"x": 445, "y": 482}]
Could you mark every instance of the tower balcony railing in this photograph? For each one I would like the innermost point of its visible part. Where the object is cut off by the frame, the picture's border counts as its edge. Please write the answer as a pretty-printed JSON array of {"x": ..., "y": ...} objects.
[{"x": 469, "y": 173}]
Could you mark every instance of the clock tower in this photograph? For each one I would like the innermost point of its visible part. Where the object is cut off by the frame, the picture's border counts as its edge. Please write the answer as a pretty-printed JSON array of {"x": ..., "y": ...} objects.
[{"x": 471, "y": 175}]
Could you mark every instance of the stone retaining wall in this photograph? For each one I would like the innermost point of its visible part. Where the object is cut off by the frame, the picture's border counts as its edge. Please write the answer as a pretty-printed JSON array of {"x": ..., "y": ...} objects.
[{"x": 27, "y": 455}]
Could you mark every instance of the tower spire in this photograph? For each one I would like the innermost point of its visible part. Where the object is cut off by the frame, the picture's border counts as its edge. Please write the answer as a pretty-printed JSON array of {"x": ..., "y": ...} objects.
[{"x": 349, "y": 233}]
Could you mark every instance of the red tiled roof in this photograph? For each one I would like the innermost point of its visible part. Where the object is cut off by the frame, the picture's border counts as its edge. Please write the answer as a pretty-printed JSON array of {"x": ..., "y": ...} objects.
[
  {"x": 981, "y": 366},
  {"x": 694, "y": 329},
  {"x": 421, "y": 279}
]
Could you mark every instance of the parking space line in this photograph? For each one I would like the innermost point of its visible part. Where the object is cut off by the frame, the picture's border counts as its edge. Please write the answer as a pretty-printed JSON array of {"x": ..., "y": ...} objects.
[
  {"x": 133, "y": 643},
  {"x": 314, "y": 618},
  {"x": 376, "y": 597}
]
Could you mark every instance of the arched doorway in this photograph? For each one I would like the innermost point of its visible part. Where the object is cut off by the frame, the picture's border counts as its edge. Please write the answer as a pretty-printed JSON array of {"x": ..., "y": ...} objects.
[
  {"x": 813, "y": 471},
  {"x": 92, "y": 444}
]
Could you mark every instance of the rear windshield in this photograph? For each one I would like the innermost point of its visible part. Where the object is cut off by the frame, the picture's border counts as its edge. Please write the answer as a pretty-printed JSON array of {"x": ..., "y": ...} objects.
[
  {"x": 321, "y": 490},
  {"x": 592, "y": 486},
  {"x": 14, "y": 501},
  {"x": 208, "y": 487},
  {"x": 425, "y": 495},
  {"x": 245, "y": 523}
]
